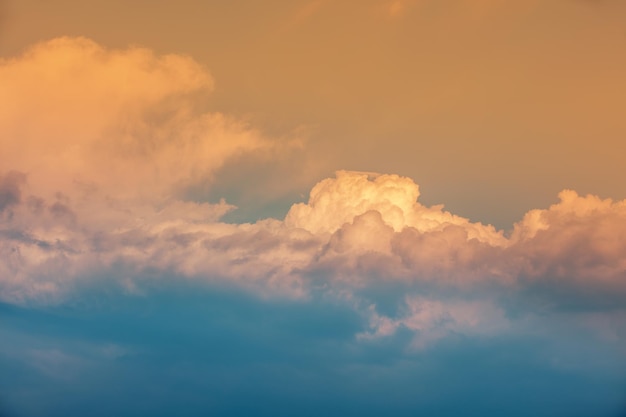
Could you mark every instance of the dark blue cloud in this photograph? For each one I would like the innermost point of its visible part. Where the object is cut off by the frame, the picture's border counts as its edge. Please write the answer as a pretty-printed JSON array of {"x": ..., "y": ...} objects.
[{"x": 215, "y": 351}]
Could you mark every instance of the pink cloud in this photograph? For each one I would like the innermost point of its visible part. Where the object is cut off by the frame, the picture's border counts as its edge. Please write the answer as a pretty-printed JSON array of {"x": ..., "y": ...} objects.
[
  {"x": 431, "y": 320},
  {"x": 99, "y": 146}
]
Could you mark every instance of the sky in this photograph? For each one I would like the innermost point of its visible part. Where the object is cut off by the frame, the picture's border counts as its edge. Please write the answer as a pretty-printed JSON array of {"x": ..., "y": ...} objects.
[{"x": 313, "y": 208}]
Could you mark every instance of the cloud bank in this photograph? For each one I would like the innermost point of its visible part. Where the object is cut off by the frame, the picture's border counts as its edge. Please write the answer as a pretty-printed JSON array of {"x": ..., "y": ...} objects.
[
  {"x": 353, "y": 229},
  {"x": 101, "y": 147}
]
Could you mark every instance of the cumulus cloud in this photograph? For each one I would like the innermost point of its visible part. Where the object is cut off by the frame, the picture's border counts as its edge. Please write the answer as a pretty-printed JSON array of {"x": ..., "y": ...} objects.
[
  {"x": 50, "y": 250},
  {"x": 356, "y": 228},
  {"x": 377, "y": 228},
  {"x": 336, "y": 201},
  {"x": 375, "y": 223},
  {"x": 101, "y": 146},
  {"x": 579, "y": 238},
  {"x": 123, "y": 123}
]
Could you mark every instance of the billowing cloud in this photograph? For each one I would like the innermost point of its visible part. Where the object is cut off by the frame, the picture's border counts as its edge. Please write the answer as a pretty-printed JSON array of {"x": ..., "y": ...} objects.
[
  {"x": 161, "y": 240},
  {"x": 356, "y": 228},
  {"x": 122, "y": 123},
  {"x": 98, "y": 146},
  {"x": 336, "y": 201},
  {"x": 376, "y": 224},
  {"x": 103, "y": 146},
  {"x": 579, "y": 238}
]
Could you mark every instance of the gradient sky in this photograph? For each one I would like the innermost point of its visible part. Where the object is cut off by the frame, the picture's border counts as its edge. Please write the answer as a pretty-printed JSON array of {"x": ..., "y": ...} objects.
[{"x": 313, "y": 208}]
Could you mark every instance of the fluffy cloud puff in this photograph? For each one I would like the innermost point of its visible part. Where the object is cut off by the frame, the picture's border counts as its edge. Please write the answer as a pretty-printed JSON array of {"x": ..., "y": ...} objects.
[
  {"x": 581, "y": 238},
  {"x": 336, "y": 201},
  {"x": 78, "y": 118}
]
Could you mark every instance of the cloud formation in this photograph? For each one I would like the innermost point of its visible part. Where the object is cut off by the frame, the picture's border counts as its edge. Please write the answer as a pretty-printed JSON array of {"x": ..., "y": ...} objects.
[
  {"x": 433, "y": 319},
  {"x": 355, "y": 229},
  {"x": 100, "y": 148},
  {"x": 122, "y": 123},
  {"x": 579, "y": 238}
]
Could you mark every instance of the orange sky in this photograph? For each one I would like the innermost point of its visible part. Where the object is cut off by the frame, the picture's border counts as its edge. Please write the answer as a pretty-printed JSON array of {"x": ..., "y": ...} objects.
[
  {"x": 493, "y": 107},
  {"x": 368, "y": 204}
]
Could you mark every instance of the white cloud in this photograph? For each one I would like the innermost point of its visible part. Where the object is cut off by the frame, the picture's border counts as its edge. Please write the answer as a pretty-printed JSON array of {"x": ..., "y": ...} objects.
[
  {"x": 432, "y": 319},
  {"x": 336, "y": 201}
]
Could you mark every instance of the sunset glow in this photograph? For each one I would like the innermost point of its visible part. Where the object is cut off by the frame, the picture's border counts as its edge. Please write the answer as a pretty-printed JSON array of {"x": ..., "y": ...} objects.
[{"x": 313, "y": 208}]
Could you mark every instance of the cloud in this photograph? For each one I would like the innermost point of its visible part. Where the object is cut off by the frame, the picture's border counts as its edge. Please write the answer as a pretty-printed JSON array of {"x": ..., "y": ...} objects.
[
  {"x": 581, "y": 238},
  {"x": 100, "y": 145},
  {"x": 356, "y": 229},
  {"x": 378, "y": 229},
  {"x": 222, "y": 347},
  {"x": 10, "y": 189},
  {"x": 54, "y": 363},
  {"x": 376, "y": 224},
  {"x": 336, "y": 201},
  {"x": 95, "y": 194},
  {"x": 121, "y": 123},
  {"x": 432, "y": 319}
]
